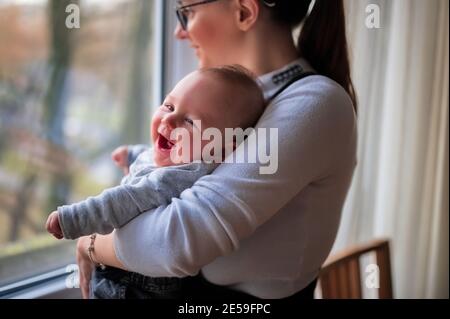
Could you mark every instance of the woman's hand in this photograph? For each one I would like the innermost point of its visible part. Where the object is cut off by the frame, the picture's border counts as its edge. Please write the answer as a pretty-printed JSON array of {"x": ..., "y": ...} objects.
[{"x": 86, "y": 267}]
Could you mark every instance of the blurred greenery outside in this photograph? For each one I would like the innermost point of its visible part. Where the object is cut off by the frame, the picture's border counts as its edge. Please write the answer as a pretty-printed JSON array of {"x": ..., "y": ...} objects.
[{"x": 68, "y": 97}]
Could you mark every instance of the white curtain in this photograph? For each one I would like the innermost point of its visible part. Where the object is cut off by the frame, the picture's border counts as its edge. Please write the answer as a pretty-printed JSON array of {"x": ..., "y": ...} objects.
[{"x": 400, "y": 187}]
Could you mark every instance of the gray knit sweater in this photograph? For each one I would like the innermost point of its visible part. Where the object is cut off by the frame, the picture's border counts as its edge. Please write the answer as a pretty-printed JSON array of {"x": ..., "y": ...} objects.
[{"x": 145, "y": 188}]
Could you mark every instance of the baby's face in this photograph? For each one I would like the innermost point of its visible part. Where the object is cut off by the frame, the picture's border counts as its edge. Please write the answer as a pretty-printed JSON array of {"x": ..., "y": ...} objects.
[{"x": 198, "y": 97}]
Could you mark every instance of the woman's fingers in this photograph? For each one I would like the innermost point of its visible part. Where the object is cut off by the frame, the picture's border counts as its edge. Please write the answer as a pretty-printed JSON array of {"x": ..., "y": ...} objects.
[
  {"x": 84, "y": 285},
  {"x": 85, "y": 266},
  {"x": 84, "y": 289},
  {"x": 85, "y": 277}
]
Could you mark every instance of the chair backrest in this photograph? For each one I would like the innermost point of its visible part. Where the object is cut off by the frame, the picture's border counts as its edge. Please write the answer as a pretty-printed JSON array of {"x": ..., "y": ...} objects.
[{"x": 340, "y": 276}]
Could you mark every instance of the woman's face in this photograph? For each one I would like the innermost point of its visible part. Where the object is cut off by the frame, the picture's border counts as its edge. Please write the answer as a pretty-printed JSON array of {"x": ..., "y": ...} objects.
[{"x": 211, "y": 32}]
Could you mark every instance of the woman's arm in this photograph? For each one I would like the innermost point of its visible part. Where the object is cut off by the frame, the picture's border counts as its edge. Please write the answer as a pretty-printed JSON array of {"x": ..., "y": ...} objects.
[
  {"x": 103, "y": 253},
  {"x": 316, "y": 128}
]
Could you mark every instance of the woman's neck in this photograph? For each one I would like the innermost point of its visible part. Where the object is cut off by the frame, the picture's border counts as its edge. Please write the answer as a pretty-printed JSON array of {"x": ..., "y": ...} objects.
[{"x": 266, "y": 51}]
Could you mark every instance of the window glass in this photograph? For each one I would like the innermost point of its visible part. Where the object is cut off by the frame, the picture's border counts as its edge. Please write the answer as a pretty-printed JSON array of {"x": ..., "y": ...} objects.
[{"x": 71, "y": 90}]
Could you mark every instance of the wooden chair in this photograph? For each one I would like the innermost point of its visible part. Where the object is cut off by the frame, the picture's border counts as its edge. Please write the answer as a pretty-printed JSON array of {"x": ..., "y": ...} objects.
[{"x": 340, "y": 276}]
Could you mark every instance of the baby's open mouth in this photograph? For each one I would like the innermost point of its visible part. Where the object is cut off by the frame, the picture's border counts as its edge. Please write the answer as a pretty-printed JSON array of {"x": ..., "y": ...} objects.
[{"x": 164, "y": 143}]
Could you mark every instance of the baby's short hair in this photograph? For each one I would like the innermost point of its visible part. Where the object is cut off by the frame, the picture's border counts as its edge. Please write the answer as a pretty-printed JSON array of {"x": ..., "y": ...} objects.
[{"x": 247, "y": 94}]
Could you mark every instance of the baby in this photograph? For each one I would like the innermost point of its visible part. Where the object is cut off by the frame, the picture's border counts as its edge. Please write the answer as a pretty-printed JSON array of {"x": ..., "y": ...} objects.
[
  {"x": 214, "y": 98},
  {"x": 220, "y": 98}
]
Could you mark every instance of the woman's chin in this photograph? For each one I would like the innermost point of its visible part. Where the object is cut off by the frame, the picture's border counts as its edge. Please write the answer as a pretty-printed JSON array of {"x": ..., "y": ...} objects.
[
  {"x": 204, "y": 63},
  {"x": 201, "y": 64}
]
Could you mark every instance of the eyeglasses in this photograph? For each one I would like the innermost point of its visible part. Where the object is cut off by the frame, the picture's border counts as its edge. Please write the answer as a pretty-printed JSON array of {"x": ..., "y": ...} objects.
[{"x": 183, "y": 12}]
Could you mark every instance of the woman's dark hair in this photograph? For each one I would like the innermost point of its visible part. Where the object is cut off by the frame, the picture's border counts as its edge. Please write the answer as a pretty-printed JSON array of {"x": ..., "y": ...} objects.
[{"x": 323, "y": 40}]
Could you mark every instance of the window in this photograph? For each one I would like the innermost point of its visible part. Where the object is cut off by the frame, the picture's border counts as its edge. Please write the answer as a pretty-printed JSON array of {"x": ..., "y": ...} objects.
[{"x": 68, "y": 97}]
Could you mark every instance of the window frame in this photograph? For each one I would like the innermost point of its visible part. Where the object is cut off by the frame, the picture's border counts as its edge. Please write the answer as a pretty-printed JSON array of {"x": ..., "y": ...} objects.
[
  {"x": 51, "y": 284},
  {"x": 181, "y": 56}
]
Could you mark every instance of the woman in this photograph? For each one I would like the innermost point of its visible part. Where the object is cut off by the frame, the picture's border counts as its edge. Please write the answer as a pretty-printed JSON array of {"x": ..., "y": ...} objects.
[{"x": 247, "y": 234}]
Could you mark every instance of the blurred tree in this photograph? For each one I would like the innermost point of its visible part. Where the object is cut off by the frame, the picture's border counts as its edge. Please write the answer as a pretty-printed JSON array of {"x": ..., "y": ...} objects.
[
  {"x": 133, "y": 90},
  {"x": 61, "y": 54},
  {"x": 62, "y": 44},
  {"x": 55, "y": 104},
  {"x": 18, "y": 214},
  {"x": 135, "y": 124}
]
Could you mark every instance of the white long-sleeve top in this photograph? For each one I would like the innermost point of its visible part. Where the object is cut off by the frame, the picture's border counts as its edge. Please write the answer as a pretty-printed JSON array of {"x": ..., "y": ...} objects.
[{"x": 266, "y": 235}]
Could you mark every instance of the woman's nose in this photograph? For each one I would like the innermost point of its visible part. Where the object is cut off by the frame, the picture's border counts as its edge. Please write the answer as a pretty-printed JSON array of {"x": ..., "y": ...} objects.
[{"x": 180, "y": 33}]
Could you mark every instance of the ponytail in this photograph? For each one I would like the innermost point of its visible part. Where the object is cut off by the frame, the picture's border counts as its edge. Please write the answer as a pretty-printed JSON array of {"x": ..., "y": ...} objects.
[{"x": 323, "y": 43}]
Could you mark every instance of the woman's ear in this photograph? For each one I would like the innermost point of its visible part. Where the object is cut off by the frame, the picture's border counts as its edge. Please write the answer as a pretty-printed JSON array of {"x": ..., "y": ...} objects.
[{"x": 247, "y": 13}]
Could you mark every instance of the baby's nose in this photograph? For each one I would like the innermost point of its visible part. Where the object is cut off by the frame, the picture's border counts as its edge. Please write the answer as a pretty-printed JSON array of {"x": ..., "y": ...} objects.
[{"x": 170, "y": 121}]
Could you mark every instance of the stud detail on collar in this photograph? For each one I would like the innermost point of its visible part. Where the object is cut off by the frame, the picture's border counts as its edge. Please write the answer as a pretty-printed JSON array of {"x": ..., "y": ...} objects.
[{"x": 285, "y": 76}]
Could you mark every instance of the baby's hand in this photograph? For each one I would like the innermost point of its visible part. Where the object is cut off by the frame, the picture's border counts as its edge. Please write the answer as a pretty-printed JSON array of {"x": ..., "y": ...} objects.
[
  {"x": 120, "y": 157},
  {"x": 53, "y": 226}
]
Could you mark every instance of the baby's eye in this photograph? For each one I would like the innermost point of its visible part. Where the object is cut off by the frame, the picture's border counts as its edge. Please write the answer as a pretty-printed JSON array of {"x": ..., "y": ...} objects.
[
  {"x": 188, "y": 120},
  {"x": 169, "y": 107}
]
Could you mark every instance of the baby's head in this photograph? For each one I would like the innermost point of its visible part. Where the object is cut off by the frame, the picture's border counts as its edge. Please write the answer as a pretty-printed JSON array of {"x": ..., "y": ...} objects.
[{"x": 222, "y": 97}]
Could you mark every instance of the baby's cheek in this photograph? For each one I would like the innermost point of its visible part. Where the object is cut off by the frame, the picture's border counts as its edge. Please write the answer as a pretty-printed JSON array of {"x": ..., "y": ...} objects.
[
  {"x": 156, "y": 120},
  {"x": 183, "y": 150},
  {"x": 197, "y": 149}
]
